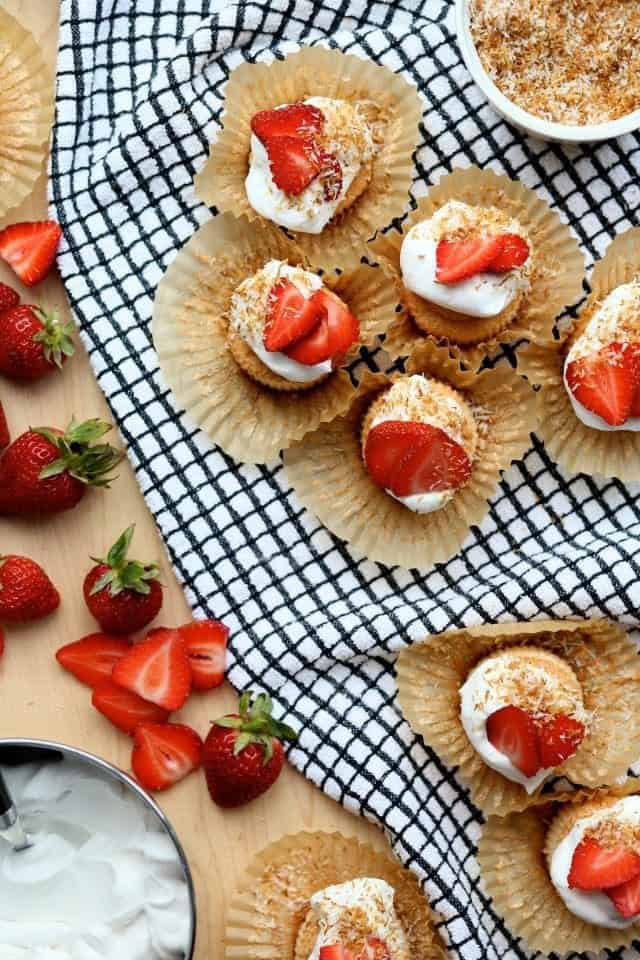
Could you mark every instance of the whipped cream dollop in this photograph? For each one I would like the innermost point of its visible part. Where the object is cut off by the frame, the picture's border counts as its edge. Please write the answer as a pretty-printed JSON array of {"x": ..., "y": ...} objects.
[
  {"x": 593, "y": 906},
  {"x": 102, "y": 879},
  {"x": 483, "y": 295},
  {"x": 347, "y": 136},
  {"x": 616, "y": 320},
  {"x": 373, "y": 897}
]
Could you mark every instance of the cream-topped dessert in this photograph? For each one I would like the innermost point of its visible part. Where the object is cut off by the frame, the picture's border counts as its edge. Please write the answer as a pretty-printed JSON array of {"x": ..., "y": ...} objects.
[
  {"x": 309, "y": 161},
  {"x": 471, "y": 260},
  {"x": 418, "y": 442},
  {"x": 522, "y": 709},
  {"x": 357, "y": 919},
  {"x": 602, "y": 367}
]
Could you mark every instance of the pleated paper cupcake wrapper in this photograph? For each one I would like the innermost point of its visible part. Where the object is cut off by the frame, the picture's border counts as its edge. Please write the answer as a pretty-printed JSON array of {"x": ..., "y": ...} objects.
[
  {"x": 605, "y": 661},
  {"x": 514, "y": 873},
  {"x": 556, "y": 281},
  {"x": 576, "y": 447},
  {"x": 317, "y": 71},
  {"x": 269, "y": 917},
  {"x": 329, "y": 477},
  {"x": 26, "y": 112},
  {"x": 249, "y": 421}
]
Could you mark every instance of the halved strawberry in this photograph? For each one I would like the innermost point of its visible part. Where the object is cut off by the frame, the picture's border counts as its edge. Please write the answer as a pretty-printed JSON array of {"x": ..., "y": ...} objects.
[
  {"x": 514, "y": 251},
  {"x": 93, "y": 658},
  {"x": 30, "y": 249},
  {"x": 626, "y": 897},
  {"x": 124, "y": 709},
  {"x": 314, "y": 348},
  {"x": 439, "y": 463},
  {"x": 294, "y": 163},
  {"x": 458, "y": 260},
  {"x": 512, "y": 731},
  {"x": 335, "y": 951},
  {"x": 164, "y": 753},
  {"x": 559, "y": 737},
  {"x": 388, "y": 443},
  {"x": 5, "y": 436},
  {"x": 157, "y": 669},
  {"x": 205, "y": 643},
  {"x": 290, "y": 316},
  {"x": 605, "y": 382},
  {"x": 294, "y": 120},
  {"x": 597, "y": 868},
  {"x": 8, "y": 297},
  {"x": 335, "y": 332}
]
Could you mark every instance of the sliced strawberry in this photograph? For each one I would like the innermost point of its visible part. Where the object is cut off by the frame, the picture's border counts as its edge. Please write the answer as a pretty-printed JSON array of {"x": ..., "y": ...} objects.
[
  {"x": 559, "y": 737},
  {"x": 458, "y": 260},
  {"x": 626, "y": 897},
  {"x": 512, "y": 731},
  {"x": 205, "y": 643},
  {"x": 93, "y": 658},
  {"x": 388, "y": 443},
  {"x": 8, "y": 297},
  {"x": 30, "y": 249},
  {"x": 605, "y": 382},
  {"x": 124, "y": 709},
  {"x": 437, "y": 464},
  {"x": 164, "y": 753},
  {"x": 336, "y": 331},
  {"x": 157, "y": 669},
  {"x": 597, "y": 868},
  {"x": 314, "y": 348},
  {"x": 514, "y": 251},
  {"x": 290, "y": 316},
  {"x": 294, "y": 163},
  {"x": 331, "y": 176},
  {"x": 335, "y": 951},
  {"x": 294, "y": 120},
  {"x": 5, "y": 436}
]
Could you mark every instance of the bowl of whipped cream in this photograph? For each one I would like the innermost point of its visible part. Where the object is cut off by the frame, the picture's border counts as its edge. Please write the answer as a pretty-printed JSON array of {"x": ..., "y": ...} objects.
[{"x": 105, "y": 877}]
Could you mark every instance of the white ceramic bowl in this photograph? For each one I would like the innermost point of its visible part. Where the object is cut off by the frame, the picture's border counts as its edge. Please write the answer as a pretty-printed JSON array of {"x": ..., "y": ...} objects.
[{"x": 527, "y": 122}]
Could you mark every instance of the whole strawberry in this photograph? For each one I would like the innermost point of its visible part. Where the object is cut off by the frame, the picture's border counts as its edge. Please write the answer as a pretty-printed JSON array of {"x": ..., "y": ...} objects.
[
  {"x": 26, "y": 593},
  {"x": 45, "y": 471},
  {"x": 243, "y": 753},
  {"x": 4, "y": 430},
  {"x": 32, "y": 342},
  {"x": 8, "y": 297},
  {"x": 123, "y": 595}
]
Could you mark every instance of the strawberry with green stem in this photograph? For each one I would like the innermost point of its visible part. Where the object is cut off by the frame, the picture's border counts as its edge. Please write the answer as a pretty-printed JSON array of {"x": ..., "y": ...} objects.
[{"x": 33, "y": 342}]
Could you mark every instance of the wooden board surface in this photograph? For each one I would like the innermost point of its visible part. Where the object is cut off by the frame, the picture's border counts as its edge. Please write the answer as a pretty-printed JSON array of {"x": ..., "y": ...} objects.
[{"x": 39, "y": 700}]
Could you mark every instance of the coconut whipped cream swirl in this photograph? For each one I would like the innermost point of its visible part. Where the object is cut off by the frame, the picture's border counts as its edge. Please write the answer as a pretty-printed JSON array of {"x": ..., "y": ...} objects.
[{"x": 349, "y": 912}]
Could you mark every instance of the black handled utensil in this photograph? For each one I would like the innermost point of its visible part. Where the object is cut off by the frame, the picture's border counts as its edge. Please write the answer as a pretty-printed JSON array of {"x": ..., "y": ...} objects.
[{"x": 10, "y": 826}]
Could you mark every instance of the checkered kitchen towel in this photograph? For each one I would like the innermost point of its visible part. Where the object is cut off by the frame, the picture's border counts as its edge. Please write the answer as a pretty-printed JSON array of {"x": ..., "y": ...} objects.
[{"x": 140, "y": 88}]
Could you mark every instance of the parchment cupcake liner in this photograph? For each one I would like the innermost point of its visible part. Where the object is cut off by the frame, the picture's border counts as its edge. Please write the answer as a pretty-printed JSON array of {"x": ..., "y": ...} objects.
[
  {"x": 513, "y": 869},
  {"x": 605, "y": 661},
  {"x": 556, "y": 283},
  {"x": 317, "y": 71},
  {"x": 249, "y": 421},
  {"x": 329, "y": 477},
  {"x": 576, "y": 447},
  {"x": 268, "y": 917},
  {"x": 26, "y": 112}
]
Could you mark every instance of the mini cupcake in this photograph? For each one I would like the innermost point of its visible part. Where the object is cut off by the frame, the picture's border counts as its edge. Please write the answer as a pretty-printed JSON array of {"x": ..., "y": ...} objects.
[
  {"x": 319, "y": 143},
  {"x": 481, "y": 261},
  {"x": 516, "y": 707},
  {"x": 251, "y": 337},
  {"x": 405, "y": 473},
  {"x": 589, "y": 399}
]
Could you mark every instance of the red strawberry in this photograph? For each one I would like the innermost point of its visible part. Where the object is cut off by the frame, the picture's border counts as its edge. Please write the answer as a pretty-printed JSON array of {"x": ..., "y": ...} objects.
[
  {"x": 124, "y": 709},
  {"x": 46, "y": 471},
  {"x": 458, "y": 260},
  {"x": 33, "y": 343},
  {"x": 4, "y": 429},
  {"x": 93, "y": 658},
  {"x": 289, "y": 316},
  {"x": 1, "y": 642},
  {"x": 314, "y": 348},
  {"x": 26, "y": 593},
  {"x": 559, "y": 737},
  {"x": 243, "y": 753},
  {"x": 437, "y": 464},
  {"x": 30, "y": 249},
  {"x": 8, "y": 297},
  {"x": 387, "y": 445},
  {"x": 512, "y": 731},
  {"x": 514, "y": 251},
  {"x": 335, "y": 951},
  {"x": 294, "y": 120},
  {"x": 157, "y": 669},
  {"x": 337, "y": 330},
  {"x": 164, "y": 753},
  {"x": 294, "y": 163},
  {"x": 595, "y": 868},
  {"x": 605, "y": 382},
  {"x": 205, "y": 643},
  {"x": 626, "y": 897},
  {"x": 123, "y": 595}
]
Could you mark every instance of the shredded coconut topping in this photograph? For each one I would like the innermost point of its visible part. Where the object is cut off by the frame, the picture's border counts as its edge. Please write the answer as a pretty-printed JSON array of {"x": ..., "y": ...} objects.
[
  {"x": 250, "y": 301},
  {"x": 616, "y": 319},
  {"x": 612, "y": 832}
]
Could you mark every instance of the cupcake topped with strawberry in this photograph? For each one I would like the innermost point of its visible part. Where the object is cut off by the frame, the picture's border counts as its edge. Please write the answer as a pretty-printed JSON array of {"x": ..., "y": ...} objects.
[
  {"x": 522, "y": 709},
  {"x": 309, "y": 162},
  {"x": 419, "y": 438},
  {"x": 287, "y": 330}
]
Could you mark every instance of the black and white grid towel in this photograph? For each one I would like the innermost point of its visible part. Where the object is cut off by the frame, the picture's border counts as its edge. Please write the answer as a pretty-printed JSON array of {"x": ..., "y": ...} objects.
[{"x": 140, "y": 88}]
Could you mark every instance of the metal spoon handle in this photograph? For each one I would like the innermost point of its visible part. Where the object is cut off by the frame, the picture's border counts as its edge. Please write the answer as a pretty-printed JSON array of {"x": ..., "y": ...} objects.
[{"x": 8, "y": 812}]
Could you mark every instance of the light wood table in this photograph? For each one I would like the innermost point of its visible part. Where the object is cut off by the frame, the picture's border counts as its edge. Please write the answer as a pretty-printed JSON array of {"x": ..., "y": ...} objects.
[{"x": 39, "y": 700}]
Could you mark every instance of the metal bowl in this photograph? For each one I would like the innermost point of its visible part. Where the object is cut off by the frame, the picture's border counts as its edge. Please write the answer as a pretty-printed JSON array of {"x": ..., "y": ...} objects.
[{"x": 23, "y": 750}]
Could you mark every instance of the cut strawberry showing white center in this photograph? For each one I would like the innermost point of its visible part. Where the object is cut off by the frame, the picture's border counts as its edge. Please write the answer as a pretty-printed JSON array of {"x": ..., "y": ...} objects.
[
  {"x": 309, "y": 331},
  {"x": 595, "y": 867},
  {"x": 607, "y": 382},
  {"x": 534, "y": 743},
  {"x": 458, "y": 260}
]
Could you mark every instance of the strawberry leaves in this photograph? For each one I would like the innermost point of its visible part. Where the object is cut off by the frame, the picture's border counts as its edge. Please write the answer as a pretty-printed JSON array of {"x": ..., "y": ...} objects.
[{"x": 124, "y": 574}]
